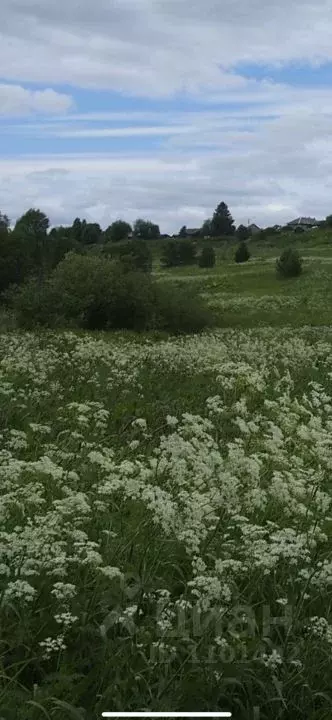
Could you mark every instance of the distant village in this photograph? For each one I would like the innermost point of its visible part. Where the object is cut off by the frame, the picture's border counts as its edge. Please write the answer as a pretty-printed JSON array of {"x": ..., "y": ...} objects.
[{"x": 299, "y": 225}]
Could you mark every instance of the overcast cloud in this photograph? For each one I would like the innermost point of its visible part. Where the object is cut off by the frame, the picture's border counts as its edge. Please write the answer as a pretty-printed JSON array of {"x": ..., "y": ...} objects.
[{"x": 269, "y": 157}]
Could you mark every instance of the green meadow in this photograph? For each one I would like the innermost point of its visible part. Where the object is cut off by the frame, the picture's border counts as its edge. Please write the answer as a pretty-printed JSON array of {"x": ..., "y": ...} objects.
[{"x": 166, "y": 505}]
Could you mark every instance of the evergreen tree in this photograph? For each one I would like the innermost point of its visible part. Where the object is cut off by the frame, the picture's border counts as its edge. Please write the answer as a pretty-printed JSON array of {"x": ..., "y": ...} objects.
[
  {"x": 242, "y": 253},
  {"x": 222, "y": 222}
]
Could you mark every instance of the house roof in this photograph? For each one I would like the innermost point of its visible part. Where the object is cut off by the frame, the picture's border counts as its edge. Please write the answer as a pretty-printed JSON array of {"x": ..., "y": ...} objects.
[
  {"x": 193, "y": 231},
  {"x": 303, "y": 221},
  {"x": 253, "y": 225}
]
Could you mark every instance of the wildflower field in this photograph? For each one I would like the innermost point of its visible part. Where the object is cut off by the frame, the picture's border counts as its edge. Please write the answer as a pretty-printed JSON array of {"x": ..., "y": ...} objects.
[{"x": 166, "y": 520}]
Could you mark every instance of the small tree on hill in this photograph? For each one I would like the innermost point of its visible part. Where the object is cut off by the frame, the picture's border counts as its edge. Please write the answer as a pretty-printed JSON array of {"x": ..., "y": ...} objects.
[
  {"x": 146, "y": 230},
  {"x": 179, "y": 252},
  {"x": 207, "y": 258},
  {"x": 118, "y": 231},
  {"x": 242, "y": 253},
  {"x": 289, "y": 264},
  {"x": 133, "y": 255}
]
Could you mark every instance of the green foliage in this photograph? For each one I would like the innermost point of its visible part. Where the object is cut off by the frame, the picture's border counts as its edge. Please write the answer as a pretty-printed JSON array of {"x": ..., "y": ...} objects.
[
  {"x": 242, "y": 253},
  {"x": 180, "y": 311},
  {"x": 61, "y": 242},
  {"x": 146, "y": 230},
  {"x": 269, "y": 232},
  {"x": 243, "y": 233},
  {"x": 33, "y": 222},
  {"x": 222, "y": 222},
  {"x": 289, "y": 264},
  {"x": 117, "y": 232},
  {"x": 183, "y": 232},
  {"x": 207, "y": 258},
  {"x": 179, "y": 252},
  {"x": 15, "y": 258},
  {"x": 206, "y": 229},
  {"x": 134, "y": 255},
  {"x": 98, "y": 293},
  {"x": 86, "y": 233},
  {"x": 31, "y": 230},
  {"x": 4, "y": 221},
  {"x": 35, "y": 304}
]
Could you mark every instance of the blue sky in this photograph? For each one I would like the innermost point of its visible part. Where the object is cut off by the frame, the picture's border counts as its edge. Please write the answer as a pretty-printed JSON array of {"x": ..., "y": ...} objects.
[{"x": 139, "y": 109}]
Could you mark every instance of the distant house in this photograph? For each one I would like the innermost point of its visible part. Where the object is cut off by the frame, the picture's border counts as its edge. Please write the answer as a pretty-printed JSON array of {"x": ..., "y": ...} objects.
[
  {"x": 302, "y": 223},
  {"x": 193, "y": 232},
  {"x": 254, "y": 229}
]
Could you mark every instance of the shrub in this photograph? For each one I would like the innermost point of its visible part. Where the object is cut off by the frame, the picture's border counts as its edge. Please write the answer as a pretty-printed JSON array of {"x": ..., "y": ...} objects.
[
  {"x": 134, "y": 255},
  {"x": 207, "y": 258},
  {"x": 89, "y": 292},
  {"x": 242, "y": 253},
  {"x": 100, "y": 294},
  {"x": 289, "y": 264},
  {"x": 179, "y": 252},
  {"x": 179, "y": 311},
  {"x": 34, "y": 304}
]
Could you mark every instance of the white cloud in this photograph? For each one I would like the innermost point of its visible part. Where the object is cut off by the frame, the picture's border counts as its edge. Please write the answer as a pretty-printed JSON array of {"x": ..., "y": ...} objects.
[
  {"x": 269, "y": 158},
  {"x": 158, "y": 47},
  {"x": 274, "y": 174},
  {"x": 16, "y": 100}
]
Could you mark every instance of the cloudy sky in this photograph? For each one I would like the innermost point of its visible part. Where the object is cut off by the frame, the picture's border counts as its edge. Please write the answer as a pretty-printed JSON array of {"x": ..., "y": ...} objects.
[{"x": 162, "y": 108}]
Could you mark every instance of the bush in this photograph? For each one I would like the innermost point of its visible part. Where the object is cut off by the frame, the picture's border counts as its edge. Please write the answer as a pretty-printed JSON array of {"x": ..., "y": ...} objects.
[
  {"x": 100, "y": 294},
  {"x": 134, "y": 255},
  {"x": 180, "y": 312},
  {"x": 242, "y": 253},
  {"x": 35, "y": 304},
  {"x": 289, "y": 264},
  {"x": 179, "y": 252},
  {"x": 207, "y": 258},
  {"x": 88, "y": 292}
]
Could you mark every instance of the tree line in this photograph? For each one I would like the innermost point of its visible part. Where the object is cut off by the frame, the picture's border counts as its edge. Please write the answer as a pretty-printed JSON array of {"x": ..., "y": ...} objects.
[{"x": 32, "y": 248}]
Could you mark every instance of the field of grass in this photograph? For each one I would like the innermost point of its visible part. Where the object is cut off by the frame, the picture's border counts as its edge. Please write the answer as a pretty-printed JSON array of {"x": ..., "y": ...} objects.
[{"x": 166, "y": 519}]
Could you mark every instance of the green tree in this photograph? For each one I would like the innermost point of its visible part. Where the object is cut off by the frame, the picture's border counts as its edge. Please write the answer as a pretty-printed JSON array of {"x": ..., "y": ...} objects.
[
  {"x": 77, "y": 230},
  {"x": 242, "y": 253},
  {"x": 118, "y": 231},
  {"x": 328, "y": 221},
  {"x": 179, "y": 252},
  {"x": 289, "y": 264},
  {"x": 222, "y": 222},
  {"x": 86, "y": 233},
  {"x": 134, "y": 255},
  {"x": 183, "y": 232},
  {"x": 243, "y": 233},
  {"x": 206, "y": 229},
  {"x": 33, "y": 222},
  {"x": 4, "y": 221},
  {"x": 91, "y": 234},
  {"x": 15, "y": 259},
  {"x": 207, "y": 258},
  {"x": 146, "y": 230},
  {"x": 61, "y": 242},
  {"x": 32, "y": 228}
]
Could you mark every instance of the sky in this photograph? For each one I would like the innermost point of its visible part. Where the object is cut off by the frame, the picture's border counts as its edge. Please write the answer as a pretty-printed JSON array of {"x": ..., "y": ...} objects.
[{"x": 161, "y": 109}]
